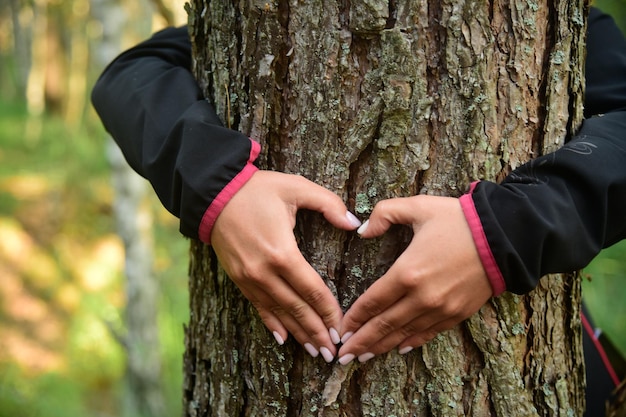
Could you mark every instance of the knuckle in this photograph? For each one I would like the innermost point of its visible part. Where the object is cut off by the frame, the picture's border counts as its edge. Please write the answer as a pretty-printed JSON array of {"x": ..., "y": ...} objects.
[
  {"x": 351, "y": 323},
  {"x": 383, "y": 326},
  {"x": 410, "y": 329},
  {"x": 431, "y": 302},
  {"x": 360, "y": 347},
  {"x": 371, "y": 308},
  {"x": 315, "y": 297},
  {"x": 381, "y": 207},
  {"x": 410, "y": 281},
  {"x": 253, "y": 273},
  {"x": 452, "y": 309},
  {"x": 277, "y": 310},
  {"x": 279, "y": 258},
  {"x": 298, "y": 310},
  {"x": 431, "y": 334},
  {"x": 265, "y": 316}
]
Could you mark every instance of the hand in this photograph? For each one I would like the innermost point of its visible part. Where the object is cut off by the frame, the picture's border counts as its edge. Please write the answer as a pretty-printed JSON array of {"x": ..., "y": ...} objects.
[
  {"x": 254, "y": 241},
  {"x": 436, "y": 283}
]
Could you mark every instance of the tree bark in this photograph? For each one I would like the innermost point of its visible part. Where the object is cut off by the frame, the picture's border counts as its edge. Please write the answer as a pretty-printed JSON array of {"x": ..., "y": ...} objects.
[{"x": 378, "y": 99}]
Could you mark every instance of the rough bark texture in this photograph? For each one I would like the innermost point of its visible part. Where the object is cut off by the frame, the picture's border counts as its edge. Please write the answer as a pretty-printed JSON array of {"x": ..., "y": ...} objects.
[{"x": 376, "y": 99}]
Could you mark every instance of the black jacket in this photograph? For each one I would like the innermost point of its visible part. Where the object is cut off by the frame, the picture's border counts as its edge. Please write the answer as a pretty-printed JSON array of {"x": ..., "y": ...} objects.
[{"x": 553, "y": 214}]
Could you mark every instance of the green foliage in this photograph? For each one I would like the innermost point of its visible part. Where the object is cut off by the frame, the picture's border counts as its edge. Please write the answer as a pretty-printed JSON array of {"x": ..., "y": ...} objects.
[
  {"x": 616, "y": 8},
  {"x": 55, "y": 204},
  {"x": 604, "y": 292}
]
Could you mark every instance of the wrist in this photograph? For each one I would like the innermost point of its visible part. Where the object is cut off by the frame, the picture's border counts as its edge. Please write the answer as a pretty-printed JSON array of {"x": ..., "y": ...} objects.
[
  {"x": 492, "y": 270},
  {"x": 226, "y": 194}
]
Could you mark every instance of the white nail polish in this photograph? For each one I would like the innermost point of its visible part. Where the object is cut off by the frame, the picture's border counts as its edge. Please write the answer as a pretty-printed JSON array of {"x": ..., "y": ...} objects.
[
  {"x": 346, "y": 359},
  {"x": 326, "y": 354},
  {"x": 311, "y": 349},
  {"x": 366, "y": 357},
  {"x": 334, "y": 336},
  {"x": 278, "y": 338},
  {"x": 352, "y": 219},
  {"x": 363, "y": 227},
  {"x": 405, "y": 350},
  {"x": 346, "y": 336}
]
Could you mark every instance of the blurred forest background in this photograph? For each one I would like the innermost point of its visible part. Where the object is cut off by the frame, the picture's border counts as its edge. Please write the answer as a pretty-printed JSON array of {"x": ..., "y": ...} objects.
[{"x": 63, "y": 290}]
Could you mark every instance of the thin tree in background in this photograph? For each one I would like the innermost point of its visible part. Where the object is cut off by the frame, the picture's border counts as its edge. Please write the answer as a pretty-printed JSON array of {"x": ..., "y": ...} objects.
[{"x": 143, "y": 394}]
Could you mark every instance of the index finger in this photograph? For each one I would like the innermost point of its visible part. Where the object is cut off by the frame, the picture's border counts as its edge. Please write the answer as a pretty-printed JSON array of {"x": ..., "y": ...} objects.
[
  {"x": 374, "y": 301},
  {"x": 312, "y": 289}
]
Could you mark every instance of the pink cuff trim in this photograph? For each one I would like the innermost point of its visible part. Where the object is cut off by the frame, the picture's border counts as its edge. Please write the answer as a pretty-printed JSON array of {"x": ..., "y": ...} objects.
[
  {"x": 224, "y": 196},
  {"x": 482, "y": 245}
]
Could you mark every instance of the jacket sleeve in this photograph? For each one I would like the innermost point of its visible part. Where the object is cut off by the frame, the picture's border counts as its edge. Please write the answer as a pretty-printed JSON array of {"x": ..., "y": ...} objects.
[
  {"x": 555, "y": 213},
  {"x": 150, "y": 103}
]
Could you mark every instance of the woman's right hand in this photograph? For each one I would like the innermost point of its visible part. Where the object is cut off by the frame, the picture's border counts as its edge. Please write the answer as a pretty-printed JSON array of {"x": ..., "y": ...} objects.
[{"x": 254, "y": 241}]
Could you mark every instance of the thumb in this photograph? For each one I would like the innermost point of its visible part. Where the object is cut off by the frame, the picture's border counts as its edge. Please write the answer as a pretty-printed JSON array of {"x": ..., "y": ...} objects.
[
  {"x": 315, "y": 197},
  {"x": 392, "y": 211}
]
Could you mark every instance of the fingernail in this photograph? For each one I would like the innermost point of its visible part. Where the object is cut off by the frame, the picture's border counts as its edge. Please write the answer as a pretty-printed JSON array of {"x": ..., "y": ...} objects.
[
  {"x": 278, "y": 338},
  {"x": 363, "y": 227},
  {"x": 334, "y": 336},
  {"x": 346, "y": 336},
  {"x": 405, "y": 350},
  {"x": 311, "y": 349},
  {"x": 346, "y": 359},
  {"x": 366, "y": 357},
  {"x": 326, "y": 354},
  {"x": 352, "y": 219}
]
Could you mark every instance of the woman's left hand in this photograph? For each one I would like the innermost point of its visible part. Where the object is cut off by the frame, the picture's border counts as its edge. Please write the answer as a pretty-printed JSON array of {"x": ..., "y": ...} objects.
[{"x": 436, "y": 283}]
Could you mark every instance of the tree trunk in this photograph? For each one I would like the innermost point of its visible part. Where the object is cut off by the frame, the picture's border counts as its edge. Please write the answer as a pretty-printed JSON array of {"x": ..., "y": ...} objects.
[
  {"x": 22, "y": 25},
  {"x": 376, "y": 99}
]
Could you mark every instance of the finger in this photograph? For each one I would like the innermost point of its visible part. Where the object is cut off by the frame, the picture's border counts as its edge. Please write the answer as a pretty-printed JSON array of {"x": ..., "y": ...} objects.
[
  {"x": 425, "y": 336},
  {"x": 310, "y": 288},
  {"x": 270, "y": 320},
  {"x": 406, "y": 338},
  {"x": 315, "y": 197},
  {"x": 302, "y": 302},
  {"x": 368, "y": 340},
  {"x": 384, "y": 331},
  {"x": 314, "y": 343},
  {"x": 373, "y": 302},
  {"x": 271, "y": 292},
  {"x": 388, "y": 212},
  {"x": 404, "y": 333},
  {"x": 299, "y": 327}
]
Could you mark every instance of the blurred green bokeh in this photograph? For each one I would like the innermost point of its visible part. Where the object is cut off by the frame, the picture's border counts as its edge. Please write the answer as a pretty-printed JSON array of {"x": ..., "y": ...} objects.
[
  {"x": 61, "y": 281},
  {"x": 61, "y": 263}
]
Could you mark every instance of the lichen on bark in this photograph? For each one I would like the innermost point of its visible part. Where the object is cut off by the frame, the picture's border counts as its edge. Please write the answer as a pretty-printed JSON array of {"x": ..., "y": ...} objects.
[{"x": 379, "y": 99}]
